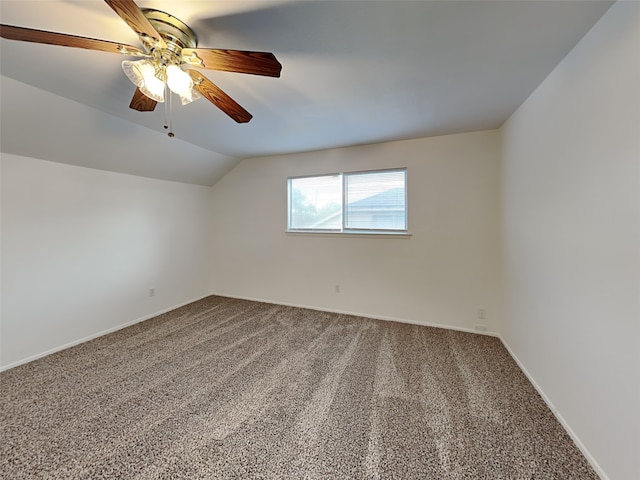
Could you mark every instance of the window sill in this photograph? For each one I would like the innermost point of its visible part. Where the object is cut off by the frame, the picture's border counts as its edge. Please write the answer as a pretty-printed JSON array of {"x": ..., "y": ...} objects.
[{"x": 352, "y": 233}]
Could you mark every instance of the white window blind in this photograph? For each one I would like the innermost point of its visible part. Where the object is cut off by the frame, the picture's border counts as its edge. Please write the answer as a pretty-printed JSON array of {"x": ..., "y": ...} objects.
[
  {"x": 375, "y": 201},
  {"x": 366, "y": 202}
]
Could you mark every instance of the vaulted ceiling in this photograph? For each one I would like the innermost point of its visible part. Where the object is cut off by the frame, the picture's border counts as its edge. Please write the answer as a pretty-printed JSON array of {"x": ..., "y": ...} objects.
[{"x": 354, "y": 72}]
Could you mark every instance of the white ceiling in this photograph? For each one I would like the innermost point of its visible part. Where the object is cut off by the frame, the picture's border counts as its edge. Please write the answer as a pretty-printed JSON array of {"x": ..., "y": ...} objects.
[{"x": 354, "y": 72}]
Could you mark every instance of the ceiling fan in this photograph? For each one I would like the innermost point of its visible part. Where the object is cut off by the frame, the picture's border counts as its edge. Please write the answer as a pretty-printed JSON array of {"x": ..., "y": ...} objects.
[{"x": 169, "y": 45}]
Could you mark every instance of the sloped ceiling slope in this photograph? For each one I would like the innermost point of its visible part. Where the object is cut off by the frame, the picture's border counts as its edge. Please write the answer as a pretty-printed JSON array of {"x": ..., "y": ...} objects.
[{"x": 354, "y": 72}]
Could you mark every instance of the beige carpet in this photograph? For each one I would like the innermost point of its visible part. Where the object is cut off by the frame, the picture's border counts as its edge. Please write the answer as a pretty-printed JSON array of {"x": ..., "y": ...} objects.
[{"x": 226, "y": 388}]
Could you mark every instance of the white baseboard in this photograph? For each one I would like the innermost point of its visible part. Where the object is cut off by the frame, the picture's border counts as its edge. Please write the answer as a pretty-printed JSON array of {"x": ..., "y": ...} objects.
[
  {"x": 557, "y": 414},
  {"x": 160, "y": 312},
  {"x": 96, "y": 335},
  {"x": 366, "y": 315}
]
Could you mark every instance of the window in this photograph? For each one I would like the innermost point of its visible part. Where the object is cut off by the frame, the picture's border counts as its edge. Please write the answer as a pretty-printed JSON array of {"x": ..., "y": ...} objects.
[{"x": 357, "y": 202}]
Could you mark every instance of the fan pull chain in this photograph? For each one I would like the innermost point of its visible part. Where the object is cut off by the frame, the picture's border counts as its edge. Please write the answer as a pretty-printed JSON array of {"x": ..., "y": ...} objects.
[{"x": 167, "y": 111}]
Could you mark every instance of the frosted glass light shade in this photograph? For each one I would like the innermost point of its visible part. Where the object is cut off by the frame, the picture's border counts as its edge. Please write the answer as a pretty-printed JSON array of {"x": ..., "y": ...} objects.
[
  {"x": 142, "y": 74},
  {"x": 191, "y": 97},
  {"x": 181, "y": 83},
  {"x": 178, "y": 80},
  {"x": 154, "y": 88}
]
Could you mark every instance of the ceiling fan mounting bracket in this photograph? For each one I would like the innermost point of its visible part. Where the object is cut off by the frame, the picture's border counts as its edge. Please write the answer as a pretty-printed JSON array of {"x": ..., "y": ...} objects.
[
  {"x": 175, "y": 33},
  {"x": 128, "y": 51},
  {"x": 193, "y": 59}
]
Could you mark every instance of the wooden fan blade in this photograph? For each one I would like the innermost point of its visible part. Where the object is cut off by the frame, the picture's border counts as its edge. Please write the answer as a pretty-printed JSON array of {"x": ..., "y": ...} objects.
[
  {"x": 141, "y": 102},
  {"x": 133, "y": 16},
  {"x": 220, "y": 99},
  {"x": 51, "y": 38},
  {"x": 239, "y": 61}
]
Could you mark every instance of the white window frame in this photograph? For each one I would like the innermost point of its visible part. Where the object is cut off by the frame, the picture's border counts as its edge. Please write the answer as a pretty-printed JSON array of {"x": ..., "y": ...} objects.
[{"x": 345, "y": 230}]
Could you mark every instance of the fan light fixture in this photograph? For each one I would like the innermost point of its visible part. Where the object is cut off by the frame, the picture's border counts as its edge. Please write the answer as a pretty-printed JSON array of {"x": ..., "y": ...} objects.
[
  {"x": 142, "y": 74},
  {"x": 162, "y": 66},
  {"x": 150, "y": 78},
  {"x": 181, "y": 83}
]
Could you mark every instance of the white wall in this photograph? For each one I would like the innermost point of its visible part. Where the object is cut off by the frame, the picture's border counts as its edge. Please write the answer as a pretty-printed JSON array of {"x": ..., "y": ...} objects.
[
  {"x": 442, "y": 274},
  {"x": 81, "y": 248},
  {"x": 571, "y": 157}
]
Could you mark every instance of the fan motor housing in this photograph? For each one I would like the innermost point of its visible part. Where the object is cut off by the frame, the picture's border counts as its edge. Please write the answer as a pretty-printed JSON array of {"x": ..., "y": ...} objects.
[{"x": 176, "y": 34}]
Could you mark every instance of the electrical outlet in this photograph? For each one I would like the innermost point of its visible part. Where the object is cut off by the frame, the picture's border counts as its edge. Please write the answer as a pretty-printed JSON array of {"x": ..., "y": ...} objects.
[
  {"x": 481, "y": 328},
  {"x": 482, "y": 314},
  {"x": 152, "y": 292},
  {"x": 337, "y": 288}
]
